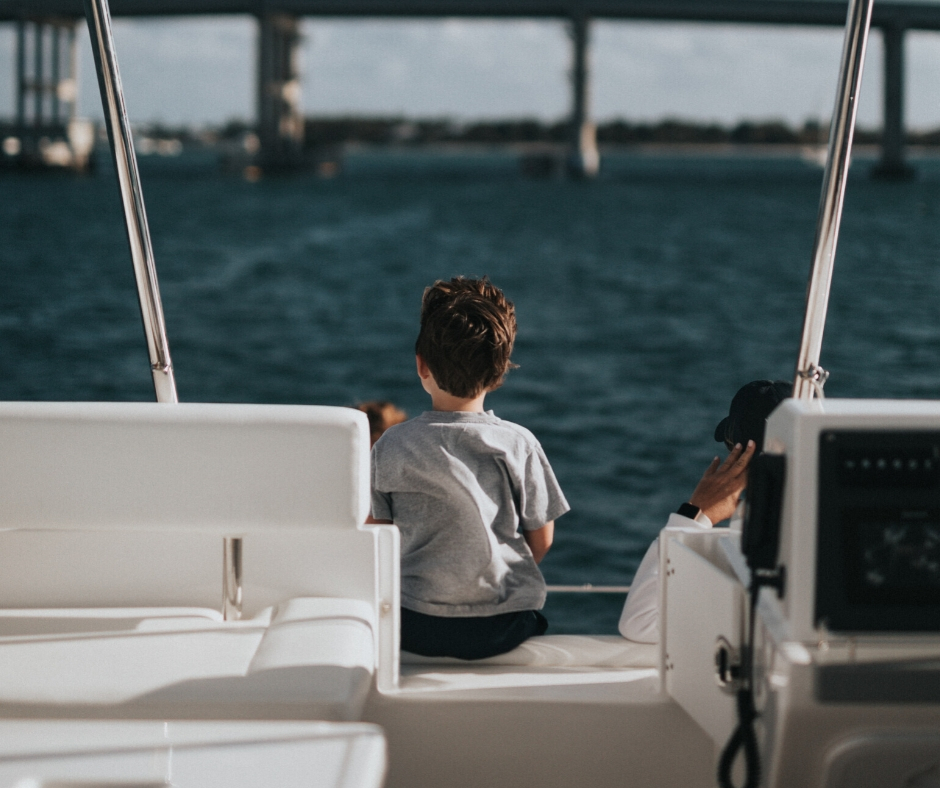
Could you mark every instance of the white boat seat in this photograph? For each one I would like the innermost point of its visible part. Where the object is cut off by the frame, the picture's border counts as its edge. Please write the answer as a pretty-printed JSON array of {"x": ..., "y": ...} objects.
[
  {"x": 572, "y": 668},
  {"x": 591, "y": 669},
  {"x": 585, "y": 651},
  {"x": 126, "y": 505},
  {"x": 309, "y": 658}
]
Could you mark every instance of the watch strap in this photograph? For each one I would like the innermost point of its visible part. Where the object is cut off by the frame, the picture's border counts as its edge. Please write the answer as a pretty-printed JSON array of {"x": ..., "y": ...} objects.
[{"x": 688, "y": 510}]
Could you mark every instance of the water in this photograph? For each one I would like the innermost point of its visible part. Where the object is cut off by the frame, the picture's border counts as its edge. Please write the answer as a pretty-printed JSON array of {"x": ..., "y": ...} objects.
[{"x": 645, "y": 299}]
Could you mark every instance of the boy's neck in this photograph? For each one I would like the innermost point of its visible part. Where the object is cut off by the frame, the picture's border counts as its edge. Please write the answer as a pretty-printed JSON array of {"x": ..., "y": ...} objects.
[{"x": 441, "y": 400}]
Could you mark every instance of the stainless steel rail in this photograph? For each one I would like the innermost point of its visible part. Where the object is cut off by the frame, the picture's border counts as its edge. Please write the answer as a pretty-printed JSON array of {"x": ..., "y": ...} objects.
[
  {"x": 231, "y": 578},
  {"x": 132, "y": 199},
  {"x": 809, "y": 375},
  {"x": 588, "y": 588}
]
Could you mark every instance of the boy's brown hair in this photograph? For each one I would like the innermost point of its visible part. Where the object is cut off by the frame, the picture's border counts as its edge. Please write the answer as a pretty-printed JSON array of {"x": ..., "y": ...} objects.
[{"x": 468, "y": 328}]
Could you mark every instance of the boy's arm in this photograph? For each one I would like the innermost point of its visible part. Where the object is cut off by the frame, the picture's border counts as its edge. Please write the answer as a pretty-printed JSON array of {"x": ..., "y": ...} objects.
[{"x": 540, "y": 540}]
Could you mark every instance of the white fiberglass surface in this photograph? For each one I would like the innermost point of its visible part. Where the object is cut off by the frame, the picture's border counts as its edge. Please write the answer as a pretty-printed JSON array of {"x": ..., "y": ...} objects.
[
  {"x": 115, "y": 667},
  {"x": 234, "y": 755},
  {"x": 62, "y": 621}
]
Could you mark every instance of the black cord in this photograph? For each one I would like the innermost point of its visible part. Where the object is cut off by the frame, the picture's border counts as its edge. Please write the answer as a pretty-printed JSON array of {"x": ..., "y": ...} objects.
[{"x": 744, "y": 737}]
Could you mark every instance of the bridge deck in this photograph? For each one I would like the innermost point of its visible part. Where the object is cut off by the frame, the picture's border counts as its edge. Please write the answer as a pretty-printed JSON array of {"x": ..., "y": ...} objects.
[{"x": 913, "y": 14}]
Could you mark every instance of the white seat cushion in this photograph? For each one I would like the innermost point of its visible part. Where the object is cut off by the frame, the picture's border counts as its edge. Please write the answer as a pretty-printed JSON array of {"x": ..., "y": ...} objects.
[
  {"x": 594, "y": 651},
  {"x": 311, "y": 659},
  {"x": 315, "y": 631},
  {"x": 96, "y": 663}
]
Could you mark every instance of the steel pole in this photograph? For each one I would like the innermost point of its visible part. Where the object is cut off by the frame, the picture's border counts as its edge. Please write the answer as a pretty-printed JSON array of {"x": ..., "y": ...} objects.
[
  {"x": 892, "y": 165},
  {"x": 38, "y": 74},
  {"x": 55, "y": 78},
  {"x": 231, "y": 578},
  {"x": 132, "y": 198},
  {"x": 583, "y": 159},
  {"x": 21, "y": 77},
  {"x": 809, "y": 375}
]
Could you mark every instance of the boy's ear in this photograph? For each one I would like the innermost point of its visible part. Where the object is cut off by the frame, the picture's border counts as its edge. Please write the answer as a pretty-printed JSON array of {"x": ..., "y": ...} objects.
[{"x": 424, "y": 371}]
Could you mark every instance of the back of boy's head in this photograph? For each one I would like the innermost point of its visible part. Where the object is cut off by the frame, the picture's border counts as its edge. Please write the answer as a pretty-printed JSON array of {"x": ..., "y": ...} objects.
[{"x": 468, "y": 328}]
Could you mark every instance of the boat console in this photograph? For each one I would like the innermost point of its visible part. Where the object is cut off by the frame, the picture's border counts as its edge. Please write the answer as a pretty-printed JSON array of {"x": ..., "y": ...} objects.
[
  {"x": 851, "y": 653},
  {"x": 846, "y": 640},
  {"x": 877, "y": 565}
]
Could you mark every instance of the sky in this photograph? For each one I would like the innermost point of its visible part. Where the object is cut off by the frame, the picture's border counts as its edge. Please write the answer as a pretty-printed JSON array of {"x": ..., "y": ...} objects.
[{"x": 200, "y": 71}]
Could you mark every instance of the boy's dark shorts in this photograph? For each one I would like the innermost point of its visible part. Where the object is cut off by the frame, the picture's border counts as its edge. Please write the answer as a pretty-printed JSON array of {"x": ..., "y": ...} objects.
[{"x": 468, "y": 638}]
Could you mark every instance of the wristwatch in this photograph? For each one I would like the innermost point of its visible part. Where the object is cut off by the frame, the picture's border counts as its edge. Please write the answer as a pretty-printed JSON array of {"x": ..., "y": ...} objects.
[{"x": 688, "y": 510}]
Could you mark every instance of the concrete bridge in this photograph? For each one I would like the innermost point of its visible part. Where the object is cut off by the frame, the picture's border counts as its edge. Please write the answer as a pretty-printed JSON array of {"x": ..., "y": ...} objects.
[{"x": 46, "y": 63}]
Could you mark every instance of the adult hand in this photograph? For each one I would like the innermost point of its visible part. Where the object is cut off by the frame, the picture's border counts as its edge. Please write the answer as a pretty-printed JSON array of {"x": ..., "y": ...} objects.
[{"x": 720, "y": 487}]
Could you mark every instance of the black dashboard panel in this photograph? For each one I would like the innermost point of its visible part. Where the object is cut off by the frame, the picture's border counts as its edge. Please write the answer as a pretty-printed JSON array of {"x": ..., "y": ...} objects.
[{"x": 878, "y": 535}]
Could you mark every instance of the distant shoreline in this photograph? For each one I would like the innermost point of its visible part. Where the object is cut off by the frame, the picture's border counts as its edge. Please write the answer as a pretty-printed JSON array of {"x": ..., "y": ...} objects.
[
  {"x": 669, "y": 131},
  {"x": 324, "y": 133},
  {"x": 766, "y": 137},
  {"x": 691, "y": 150},
  {"x": 542, "y": 149}
]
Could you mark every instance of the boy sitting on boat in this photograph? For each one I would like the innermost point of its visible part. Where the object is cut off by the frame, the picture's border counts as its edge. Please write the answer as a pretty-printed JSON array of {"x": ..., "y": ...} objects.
[
  {"x": 715, "y": 497},
  {"x": 473, "y": 496}
]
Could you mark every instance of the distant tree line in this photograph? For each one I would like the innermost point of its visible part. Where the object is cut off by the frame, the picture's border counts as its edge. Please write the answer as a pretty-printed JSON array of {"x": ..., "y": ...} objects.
[
  {"x": 384, "y": 131},
  {"x": 377, "y": 131},
  {"x": 329, "y": 132}
]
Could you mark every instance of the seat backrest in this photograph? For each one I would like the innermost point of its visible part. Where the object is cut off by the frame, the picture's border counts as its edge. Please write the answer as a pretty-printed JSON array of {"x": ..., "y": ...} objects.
[{"x": 230, "y": 469}]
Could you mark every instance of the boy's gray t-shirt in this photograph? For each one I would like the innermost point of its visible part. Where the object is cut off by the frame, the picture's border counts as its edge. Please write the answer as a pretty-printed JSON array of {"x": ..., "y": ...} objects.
[{"x": 461, "y": 487}]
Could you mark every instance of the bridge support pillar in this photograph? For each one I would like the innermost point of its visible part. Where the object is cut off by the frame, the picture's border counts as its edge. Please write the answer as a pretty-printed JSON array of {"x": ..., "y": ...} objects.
[
  {"x": 280, "y": 123},
  {"x": 892, "y": 165},
  {"x": 583, "y": 159},
  {"x": 46, "y": 132}
]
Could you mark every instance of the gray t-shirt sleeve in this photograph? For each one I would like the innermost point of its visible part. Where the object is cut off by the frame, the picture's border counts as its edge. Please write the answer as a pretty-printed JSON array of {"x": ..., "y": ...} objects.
[
  {"x": 541, "y": 498},
  {"x": 381, "y": 501}
]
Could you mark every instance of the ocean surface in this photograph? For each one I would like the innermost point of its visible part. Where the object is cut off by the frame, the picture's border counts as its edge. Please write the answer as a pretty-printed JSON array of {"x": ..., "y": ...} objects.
[{"x": 644, "y": 300}]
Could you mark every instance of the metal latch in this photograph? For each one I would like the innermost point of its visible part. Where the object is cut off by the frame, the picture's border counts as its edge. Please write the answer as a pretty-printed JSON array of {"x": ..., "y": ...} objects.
[{"x": 727, "y": 666}]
